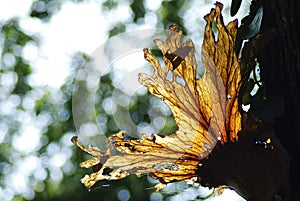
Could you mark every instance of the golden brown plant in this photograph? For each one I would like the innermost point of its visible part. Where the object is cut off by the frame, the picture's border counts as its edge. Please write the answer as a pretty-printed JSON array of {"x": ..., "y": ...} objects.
[{"x": 205, "y": 110}]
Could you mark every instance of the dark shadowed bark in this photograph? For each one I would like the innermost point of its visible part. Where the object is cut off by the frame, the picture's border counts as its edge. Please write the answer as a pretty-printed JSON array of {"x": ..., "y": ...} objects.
[
  {"x": 255, "y": 172},
  {"x": 279, "y": 59}
]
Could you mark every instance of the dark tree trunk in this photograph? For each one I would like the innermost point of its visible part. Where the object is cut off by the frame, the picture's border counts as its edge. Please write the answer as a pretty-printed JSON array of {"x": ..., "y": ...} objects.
[{"x": 279, "y": 60}]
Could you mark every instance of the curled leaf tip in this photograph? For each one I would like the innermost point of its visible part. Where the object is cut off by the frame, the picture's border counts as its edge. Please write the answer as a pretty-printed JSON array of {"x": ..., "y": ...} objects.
[{"x": 74, "y": 139}]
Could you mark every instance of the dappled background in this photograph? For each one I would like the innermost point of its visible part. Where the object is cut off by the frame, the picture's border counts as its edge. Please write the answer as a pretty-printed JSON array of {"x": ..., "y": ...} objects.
[{"x": 43, "y": 46}]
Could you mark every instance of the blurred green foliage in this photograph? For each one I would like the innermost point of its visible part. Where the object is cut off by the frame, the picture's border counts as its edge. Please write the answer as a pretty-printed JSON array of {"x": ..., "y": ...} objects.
[
  {"x": 45, "y": 9},
  {"x": 56, "y": 174},
  {"x": 138, "y": 9},
  {"x": 11, "y": 57},
  {"x": 52, "y": 109}
]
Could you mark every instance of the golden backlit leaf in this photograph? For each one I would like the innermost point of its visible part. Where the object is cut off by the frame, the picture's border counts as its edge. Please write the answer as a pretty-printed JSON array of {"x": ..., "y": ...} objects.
[
  {"x": 205, "y": 110},
  {"x": 221, "y": 52}
]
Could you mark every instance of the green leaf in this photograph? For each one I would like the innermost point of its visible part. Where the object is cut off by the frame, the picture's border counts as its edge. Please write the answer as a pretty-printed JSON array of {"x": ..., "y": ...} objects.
[
  {"x": 249, "y": 29},
  {"x": 246, "y": 90},
  {"x": 235, "y": 6},
  {"x": 254, "y": 27}
]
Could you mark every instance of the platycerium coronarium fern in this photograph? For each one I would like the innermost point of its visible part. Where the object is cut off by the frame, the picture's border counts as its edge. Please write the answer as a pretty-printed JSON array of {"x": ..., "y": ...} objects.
[{"x": 201, "y": 108}]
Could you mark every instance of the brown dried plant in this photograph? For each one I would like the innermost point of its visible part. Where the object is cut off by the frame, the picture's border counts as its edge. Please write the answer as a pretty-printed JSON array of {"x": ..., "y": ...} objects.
[{"x": 205, "y": 110}]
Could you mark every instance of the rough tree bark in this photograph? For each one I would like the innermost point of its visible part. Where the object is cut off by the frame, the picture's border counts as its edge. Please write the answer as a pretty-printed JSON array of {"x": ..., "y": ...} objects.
[
  {"x": 279, "y": 59},
  {"x": 254, "y": 173}
]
